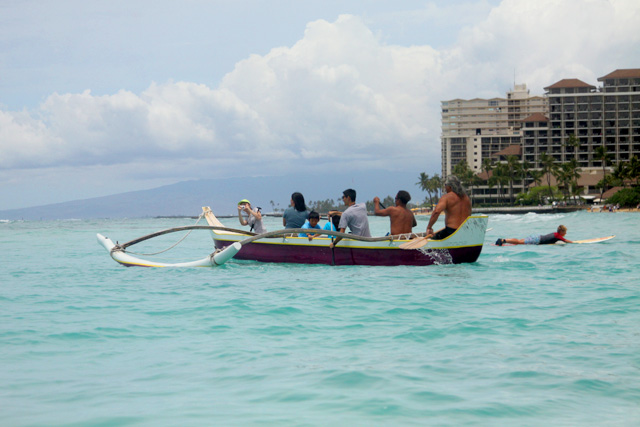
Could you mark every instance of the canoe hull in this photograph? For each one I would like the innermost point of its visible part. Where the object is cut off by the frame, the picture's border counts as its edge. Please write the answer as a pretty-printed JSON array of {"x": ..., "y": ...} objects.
[
  {"x": 465, "y": 245},
  {"x": 389, "y": 256}
]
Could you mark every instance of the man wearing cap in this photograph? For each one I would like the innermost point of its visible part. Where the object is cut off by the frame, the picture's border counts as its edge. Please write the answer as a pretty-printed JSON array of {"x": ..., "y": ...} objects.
[
  {"x": 254, "y": 217},
  {"x": 456, "y": 206}
]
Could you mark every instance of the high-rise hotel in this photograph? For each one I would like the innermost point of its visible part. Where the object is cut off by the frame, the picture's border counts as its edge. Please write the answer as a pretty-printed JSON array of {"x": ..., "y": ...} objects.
[{"x": 527, "y": 126}]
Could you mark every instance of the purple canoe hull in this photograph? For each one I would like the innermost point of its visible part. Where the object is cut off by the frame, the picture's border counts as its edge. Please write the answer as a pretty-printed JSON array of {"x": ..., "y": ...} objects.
[
  {"x": 462, "y": 246},
  {"x": 266, "y": 252}
]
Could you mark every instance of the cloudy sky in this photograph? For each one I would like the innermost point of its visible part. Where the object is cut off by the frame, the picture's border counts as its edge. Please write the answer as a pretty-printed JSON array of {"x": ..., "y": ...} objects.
[{"x": 102, "y": 97}]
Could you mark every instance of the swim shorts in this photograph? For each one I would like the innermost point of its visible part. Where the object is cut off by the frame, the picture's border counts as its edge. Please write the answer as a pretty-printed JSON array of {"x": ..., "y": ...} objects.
[
  {"x": 444, "y": 233},
  {"x": 532, "y": 240}
]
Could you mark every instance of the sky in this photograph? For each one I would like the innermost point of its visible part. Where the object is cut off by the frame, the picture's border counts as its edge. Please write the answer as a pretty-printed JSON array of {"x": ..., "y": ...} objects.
[{"x": 109, "y": 96}]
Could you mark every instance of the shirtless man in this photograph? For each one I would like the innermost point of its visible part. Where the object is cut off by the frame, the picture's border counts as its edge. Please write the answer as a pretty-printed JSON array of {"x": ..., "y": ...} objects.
[
  {"x": 456, "y": 206},
  {"x": 402, "y": 219}
]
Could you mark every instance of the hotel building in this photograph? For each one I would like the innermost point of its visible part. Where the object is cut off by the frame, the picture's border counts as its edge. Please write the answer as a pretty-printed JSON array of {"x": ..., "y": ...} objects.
[{"x": 610, "y": 116}]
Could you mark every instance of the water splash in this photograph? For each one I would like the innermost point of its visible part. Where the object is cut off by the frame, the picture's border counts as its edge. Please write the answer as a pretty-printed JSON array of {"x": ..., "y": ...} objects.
[{"x": 439, "y": 256}]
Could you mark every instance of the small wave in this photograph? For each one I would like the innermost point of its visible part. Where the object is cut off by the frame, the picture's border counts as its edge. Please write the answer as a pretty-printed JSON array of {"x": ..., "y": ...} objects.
[
  {"x": 352, "y": 380},
  {"x": 285, "y": 311}
]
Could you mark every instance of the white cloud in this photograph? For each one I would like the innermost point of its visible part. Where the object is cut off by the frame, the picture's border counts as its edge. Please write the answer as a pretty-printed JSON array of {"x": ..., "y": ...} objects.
[
  {"x": 339, "y": 97},
  {"x": 544, "y": 41},
  {"x": 336, "y": 93}
]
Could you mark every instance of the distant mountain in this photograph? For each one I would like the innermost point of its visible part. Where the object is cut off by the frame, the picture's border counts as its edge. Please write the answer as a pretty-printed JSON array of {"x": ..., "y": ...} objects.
[{"x": 186, "y": 198}]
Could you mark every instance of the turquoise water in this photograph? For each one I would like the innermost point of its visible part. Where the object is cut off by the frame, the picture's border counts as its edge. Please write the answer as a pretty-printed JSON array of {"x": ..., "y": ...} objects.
[{"x": 525, "y": 336}]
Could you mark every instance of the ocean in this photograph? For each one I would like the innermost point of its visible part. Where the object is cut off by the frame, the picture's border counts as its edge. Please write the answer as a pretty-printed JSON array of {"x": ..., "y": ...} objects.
[{"x": 527, "y": 335}]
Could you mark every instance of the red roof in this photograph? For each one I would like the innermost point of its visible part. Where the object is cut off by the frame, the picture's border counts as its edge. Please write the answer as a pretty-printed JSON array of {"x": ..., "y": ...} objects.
[
  {"x": 587, "y": 178},
  {"x": 610, "y": 192},
  {"x": 569, "y": 83},
  {"x": 536, "y": 117},
  {"x": 512, "y": 150},
  {"x": 484, "y": 175},
  {"x": 628, "y": 73}
]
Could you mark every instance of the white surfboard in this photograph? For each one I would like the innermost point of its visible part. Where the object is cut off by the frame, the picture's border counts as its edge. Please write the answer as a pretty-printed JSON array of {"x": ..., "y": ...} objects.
[{"x": 596, "y": 240}]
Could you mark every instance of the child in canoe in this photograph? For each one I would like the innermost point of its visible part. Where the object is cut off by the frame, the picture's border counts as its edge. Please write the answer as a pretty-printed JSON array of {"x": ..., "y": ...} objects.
[{"x": 312, "y": 222}]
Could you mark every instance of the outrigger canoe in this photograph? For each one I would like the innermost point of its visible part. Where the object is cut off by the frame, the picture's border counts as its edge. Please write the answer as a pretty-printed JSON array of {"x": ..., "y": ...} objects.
[
  {"x": 283, "y": 246},
  {"x": 462, "y": 246}
]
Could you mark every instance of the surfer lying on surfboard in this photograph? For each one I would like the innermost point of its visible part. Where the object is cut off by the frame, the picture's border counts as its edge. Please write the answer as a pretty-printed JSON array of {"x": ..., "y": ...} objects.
[{"x": 536, "y": 239}]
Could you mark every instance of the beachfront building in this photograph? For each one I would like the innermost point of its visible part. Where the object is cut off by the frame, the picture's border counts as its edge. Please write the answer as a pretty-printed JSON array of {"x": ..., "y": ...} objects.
[
  {"x": 606, "y": 116},
  {"x": 478, "y": 129}
]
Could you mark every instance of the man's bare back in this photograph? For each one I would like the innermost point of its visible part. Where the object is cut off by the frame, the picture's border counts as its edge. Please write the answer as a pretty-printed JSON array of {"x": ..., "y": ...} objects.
[
  {"x": 457, "y": 209},
  {"x": 402, "y": 219}
]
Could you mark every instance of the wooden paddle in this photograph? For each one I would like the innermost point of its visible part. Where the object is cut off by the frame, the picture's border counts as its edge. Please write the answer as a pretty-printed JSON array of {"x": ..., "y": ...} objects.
[{"x": 416, "y": 243}]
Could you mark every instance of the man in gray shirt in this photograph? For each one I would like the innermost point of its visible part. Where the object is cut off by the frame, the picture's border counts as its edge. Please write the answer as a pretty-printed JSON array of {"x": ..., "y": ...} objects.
[{"x": 355, "y": 217}]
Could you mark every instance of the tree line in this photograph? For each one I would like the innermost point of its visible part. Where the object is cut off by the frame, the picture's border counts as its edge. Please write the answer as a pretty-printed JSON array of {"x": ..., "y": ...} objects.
[{"x": 503, "y": 175}]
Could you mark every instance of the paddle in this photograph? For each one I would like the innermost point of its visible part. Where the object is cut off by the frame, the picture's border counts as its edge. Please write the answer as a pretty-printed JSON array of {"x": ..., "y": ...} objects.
[
  {"x": 416, "y": 243},
  {"x": 333, "y": 253}
]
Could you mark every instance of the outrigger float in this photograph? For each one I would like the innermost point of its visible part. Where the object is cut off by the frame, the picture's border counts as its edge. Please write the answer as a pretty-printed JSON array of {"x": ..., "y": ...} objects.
[{"x": 283, "y": 246}]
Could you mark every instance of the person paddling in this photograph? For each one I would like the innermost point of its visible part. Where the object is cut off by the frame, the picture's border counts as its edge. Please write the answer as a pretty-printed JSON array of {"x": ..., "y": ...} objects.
[
  {"x": 456, "y": 206},
  {"x": 402, "y": 219},
  {"x": 537, "y": 239}
]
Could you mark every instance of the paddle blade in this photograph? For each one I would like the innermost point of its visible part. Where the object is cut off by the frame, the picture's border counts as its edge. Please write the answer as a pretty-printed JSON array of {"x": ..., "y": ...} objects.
[{"x": 416, "y": 243}]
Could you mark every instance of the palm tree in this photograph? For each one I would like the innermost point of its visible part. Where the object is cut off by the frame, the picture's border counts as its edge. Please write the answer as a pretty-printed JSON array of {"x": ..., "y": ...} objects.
[
  {"x": 572, "y": 141},
  {"x": 424, "y": 183},
  {"x": 621, "y": 173},
  {"x": 603, "y": 155},
  {"x": 536, "y": 175},
  {"x": 549, "y": 167},
  {"x": 435, "y": 183},
  {"x": 525, "y": 169},
  {"x": 513, "y": 166},
  {"x": 465, "y": 175},
  {"x": 500, "y": 177},
  {"x": 487, "y": 167},
  {"x": 569, "y": 174},
  {"x": 634, "y": 169}
]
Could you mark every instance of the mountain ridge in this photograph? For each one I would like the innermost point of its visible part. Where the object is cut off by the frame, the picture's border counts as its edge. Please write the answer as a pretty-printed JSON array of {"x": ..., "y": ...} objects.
[{"x": 185, "y": 198}]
